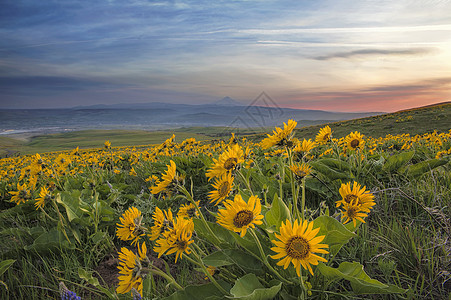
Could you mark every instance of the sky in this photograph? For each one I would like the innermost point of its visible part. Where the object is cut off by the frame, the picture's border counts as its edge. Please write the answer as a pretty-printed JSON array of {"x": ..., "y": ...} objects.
[{"x": 366, "y": 55}]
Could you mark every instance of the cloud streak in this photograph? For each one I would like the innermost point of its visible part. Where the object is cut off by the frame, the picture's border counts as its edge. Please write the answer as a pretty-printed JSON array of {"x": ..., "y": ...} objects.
[
  {"x": 134, "y": 50},
  {"x": 363, "y": 53},
  {"x": 386, "y": 98}
]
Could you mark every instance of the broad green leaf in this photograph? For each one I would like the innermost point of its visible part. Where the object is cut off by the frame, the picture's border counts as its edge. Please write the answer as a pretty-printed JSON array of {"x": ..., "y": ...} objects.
[
  {"x": 5, "y": 264},
  {"x": 317, "y": 186},
  {"x": 336, "y": 234},
  {"x": 217, "y": 259},
  {"x": 425, "y": 166},
  {"x": 233, "y": 256},
  {"x": 87, "y": 275},
  {"x": 396, "y": 161},
  {"x": 278, "y": 213},
  {"x": 51, "y": 240},
  {"x": 327, "y": 171},
  {"x": 205, "y": 291},
  {"x": 259, "y": 181},
  {"x": 98, "y": 237},
  {"x": 335, "y": 164},
  {"x": 224, "y": 236},
  {"x": 361, "y": 283},
  {"x": 249, "y": 287},
  {"x": 147, "y": 285},
  {"x": 4, "y": 284},
  {"x": 248, "y": 243},
  {"x": 76, "y": 234},
  {"x": 71, "y": 202}
]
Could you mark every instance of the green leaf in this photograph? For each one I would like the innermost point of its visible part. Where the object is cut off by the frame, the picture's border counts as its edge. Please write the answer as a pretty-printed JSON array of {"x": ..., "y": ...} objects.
[
  {"x": 147, "y": 285},
  {"x": 361, "y": 283},
  {"x": 317, "y": 186},
  {"x": 217, "y": 259},
  {"x": 260, "y": 181},
  {"x": 233, "y": 256},
  {"x": 249, "y": 244},
  {"x": 226, "y": 240},
  {"x": 336, "y": 164},
  {"x": 278, "y": 213},
  {"x": 4, "y": 284},
  {"x": 329, "y": 172},
  {"x": 205, "y": 291},
  {"x": 336, "y": 234},
  {"x": 71, "y": 202},
  {"x": 425, "y": 166},
  {"x": 249, "y": 287},
  {"x": 87, "y": 275},
  {"x": 395, "y": 162},
  {"x": 98, "y": 237},
  {"x": 51, "y": 240},
  {"x": 5, "y": 264}
]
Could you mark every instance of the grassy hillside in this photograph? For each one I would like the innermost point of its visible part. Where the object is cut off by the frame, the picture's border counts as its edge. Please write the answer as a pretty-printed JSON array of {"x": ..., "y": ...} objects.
[
  {"x": 413, "y": 121},
  {"x": 89, "y": 139},
  {"x": 381, "y": 214},
  {"x": 95, "y": 138}
]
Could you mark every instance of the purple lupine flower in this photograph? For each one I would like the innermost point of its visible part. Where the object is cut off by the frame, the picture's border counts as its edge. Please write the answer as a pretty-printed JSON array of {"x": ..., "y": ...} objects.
[
  {"x": 136, "y": 294},
  {"x": 66, "y": 294}
]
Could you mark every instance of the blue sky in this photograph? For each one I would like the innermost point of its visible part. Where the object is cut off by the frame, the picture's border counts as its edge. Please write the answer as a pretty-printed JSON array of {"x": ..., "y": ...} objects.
[{"x": 330, "y": 55}]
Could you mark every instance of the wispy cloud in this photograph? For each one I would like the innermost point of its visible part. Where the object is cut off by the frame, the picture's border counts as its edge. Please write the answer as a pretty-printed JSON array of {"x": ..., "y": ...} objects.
[
  {"x": 388, "y": 98},
  {"x": 368, "y": 29},
  {"x": 375, "y": 52},
  {"x": 140, "y": 50}
]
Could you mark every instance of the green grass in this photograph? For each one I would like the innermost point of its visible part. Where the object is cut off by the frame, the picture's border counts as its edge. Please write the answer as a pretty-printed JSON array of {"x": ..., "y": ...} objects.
[
  {"x": 423, "y": 120},
  {"x": 118, "y": 138},
  {"x": 405, "y": 240},
  {"x": 91, "y": 139},
  {"x": 10, "y": 145}
]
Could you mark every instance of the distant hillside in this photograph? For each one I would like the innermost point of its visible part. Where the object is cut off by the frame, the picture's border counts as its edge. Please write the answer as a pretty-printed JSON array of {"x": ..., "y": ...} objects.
[
  {"x": 413, "y": 121},
  {"x": 227, "y": 101},
  {"x": 226, "y": 112}
]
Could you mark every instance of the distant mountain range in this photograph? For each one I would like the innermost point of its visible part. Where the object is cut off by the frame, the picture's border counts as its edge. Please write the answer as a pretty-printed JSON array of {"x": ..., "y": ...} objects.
[{"x": 154, "y": 115}]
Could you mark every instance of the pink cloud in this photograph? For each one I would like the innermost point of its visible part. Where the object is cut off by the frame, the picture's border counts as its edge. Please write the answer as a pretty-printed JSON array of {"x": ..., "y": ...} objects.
[{"x": 387, "y": 98}]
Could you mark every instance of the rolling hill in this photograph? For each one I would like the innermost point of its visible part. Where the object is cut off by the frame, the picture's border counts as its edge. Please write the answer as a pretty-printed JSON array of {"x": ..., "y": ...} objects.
[{"x": 413, "y": 121}]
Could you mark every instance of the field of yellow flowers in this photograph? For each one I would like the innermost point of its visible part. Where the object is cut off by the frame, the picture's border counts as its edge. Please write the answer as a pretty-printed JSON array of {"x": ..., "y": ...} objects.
[{"x": 282, "y": 218}]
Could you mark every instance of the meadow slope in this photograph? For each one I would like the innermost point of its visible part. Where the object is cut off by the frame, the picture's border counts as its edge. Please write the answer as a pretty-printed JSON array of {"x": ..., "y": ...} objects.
[{"x": 357, "y": 210}]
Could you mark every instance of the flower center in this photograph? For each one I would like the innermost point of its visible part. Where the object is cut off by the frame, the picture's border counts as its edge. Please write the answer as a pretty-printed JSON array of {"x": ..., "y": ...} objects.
[
  {"x": 355, "y": 143},
  {"x": 166, "y": 225},
  {"x": 351, "y": 212},
  {"x": 326, "y": 137},
  {"x": 23, "y": 194},
  {"x": 243, "y": 218},
  {"x": 351, "y": 198},
  {"x": 301, "y": 173},
  {"x": 230, "y": 163},
  {"x": 289, "y": 143},
  {"x": 191, "y": 212},
  {"x": 224, "y": 189},
  {"x": 297, "y": 247},
  {"x": 181, "y": 245}
]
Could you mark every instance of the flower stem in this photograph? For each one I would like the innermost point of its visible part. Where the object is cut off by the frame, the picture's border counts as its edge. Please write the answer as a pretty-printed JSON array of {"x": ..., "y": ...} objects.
[
  {"x": 303, "y": 199},
  {"x": 201, "y": 264},
  {"x": 169, "y": 278},
  {"x": 190, "y": 198},
  {"x": 265, "y": 259},
  {"x": 246, "y": 181}
]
